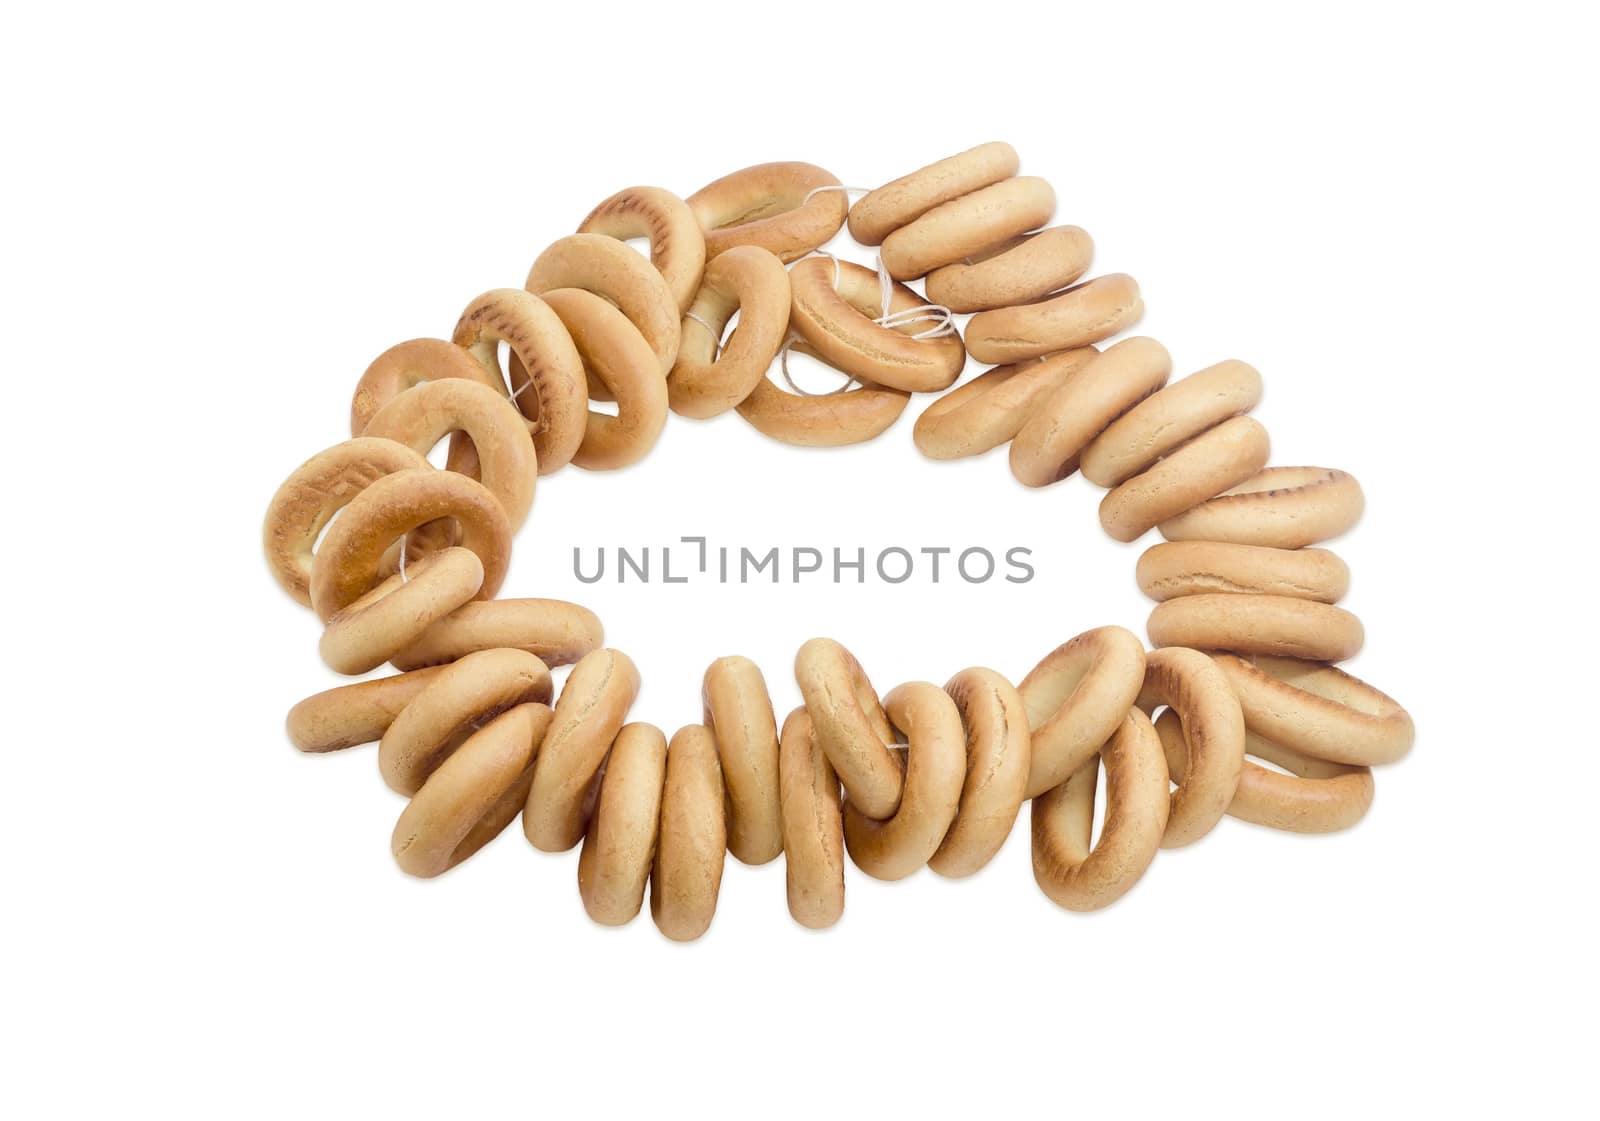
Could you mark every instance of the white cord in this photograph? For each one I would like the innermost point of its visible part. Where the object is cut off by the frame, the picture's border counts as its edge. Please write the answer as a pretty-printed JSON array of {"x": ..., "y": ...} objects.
[
  {"x": 847, "y": 190},
  {"x": 403, "y": 537},
  {"x": 716, "y": 337}
]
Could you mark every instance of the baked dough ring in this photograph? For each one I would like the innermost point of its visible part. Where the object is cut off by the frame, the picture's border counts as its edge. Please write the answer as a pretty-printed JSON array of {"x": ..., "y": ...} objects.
[
  {"x": 1166, "y": 420},
  {"x": 620, "y": 843},
  {"x": 967, "y": 225},
  {"x": 1094, "y": 310},
  {"x": 813, "y": 834},
  {"x": 1315, "y": 797},
  {"x": 1019, "y": 271},
  {"x": 413, "y": 363},
  {"x": 1190, "y": 684},
  {"x": 767, "y": 205},
  {"x": 1318, "y": 710},
  {"x": 463, "y": 697},
  {"x": 615, "y": 271},
  {"x": 349, "y": 715},
  {"x": 849, "y": 722},
  {"x": 594, "y": 704},
  {"x": 707, "y": 379},
  {"x": 616, "y": 355},
  {"x": 738, "y": 710},
  {"x": 991, "y": 408},
  {"x": 542, "y": 352},
  {"x": 346, "y": 566},
  {"x": 1075, "y": 698},
  {"x": 1281, "y": 507},
  {"x": 839, "y": 323},
  {"x": 1046, "y": 448},
  {"x": 688, "y": 867},
  {"x": 1258, "y": 624},
  {"x": 1186, "y": 568},
  {"x": 472, "y": 795},
  {"x": 677, "y": 247},
  {"x": 556, "y": 632},
  {"x": 880, "y": 212},
  {"x": 935, "y": 764},
  {"x": 507, "y": 464},
  {"x": 998, "y": 751},
  {"x": 827, "y": 420},
  {"x": 317, "y": 490},
  {"x": 1081, "y": 876},
  {"x": 1203, "y": 468},
  {"x": 398, "y": 611}
]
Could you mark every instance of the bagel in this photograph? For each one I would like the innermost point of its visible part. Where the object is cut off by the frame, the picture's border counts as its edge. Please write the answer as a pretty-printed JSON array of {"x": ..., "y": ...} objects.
[
  {"x": 620, "y": 842},
  {"x": 399, "y": 610},
  {"x": 348, "y": 715},
  {"x": 616, "y": 355},
  {"x": 1190, "y": 684},
  {"x": 1258, "y": 624},
  {"x": 413, "y": 363},
  {"x": 738, "y": 710},
  {"x": 850, "y": 724},
  {"x": 677, "y": 247},
  {"x": 813, "y": 831},
  {"x": 1280, "y": 507},
  {"x": 997, "y": 754},
  {"x": 1203, "y": 468},
  {"x": 712, "y": 376},
  {"x": 688, "y": 863},
  {"x": 1164, "y": 421},
  {"x": 1019, "y": 271},
  {"x": 1046, "y": 448},
  {"x": 1075, "y": 698},
  {"x": 824, "y": 420},
  {"x": 991, "y": 408},
  {"x": 1185, "y": 568},
  {"x": 1087, "y": 313},
  {"x": 1318, "y": 710},
  {"x": 835, "y": 307},
  {"x": 880, "y": 212},
  {"x": 780, "y": 207},
  {"x": 968, "y": 225},
  {"x": 616, "y": 272},
  {"x": 558, "y": 633}
]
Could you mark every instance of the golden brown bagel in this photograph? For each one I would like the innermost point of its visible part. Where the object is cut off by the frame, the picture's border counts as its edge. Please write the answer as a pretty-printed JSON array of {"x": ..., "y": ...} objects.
[
  {"x": 1185, "y": 568},
  {"x": 1075, "y": 698},
  {"x": 399, "y": 610},
  {"x": 677, "y": 247},
  {"x": 1018, "y": 271},
  {"x": 615, "y": 271},
  {"x": 968, "y": 225},
  {"x": 825, "y": 420},
  {"x": 850, "y": 724},
  {"x": 1190, "y": 684},
  {"x": 688, "y": 864},
  {"x": 813, "y": 832},
  {"x": 1203, "y": 468},
  {"x": 738, "y": 710},
  {"x": 349, "y": 715},
  {"x": 1087, "y": 313},
  {"x": 998, "y": 753},
  {"x": 1258, "y": 624},
  {"x": 619, "y": 845},
  {"x": 777, "y": 206},
  {"x": 992, "y": 408},
  {"x": 1318, "y": 710},
  {"x": 412, "y": 363},
  {"x": 558, "y": 633},
  {"x": 1164, "y": 421},
  {"x": 709, "y": 379},
  {"x": 618, "y": 357},
  {"x": 880, "y": 212},
  {"x": 1281, "y": 507}
]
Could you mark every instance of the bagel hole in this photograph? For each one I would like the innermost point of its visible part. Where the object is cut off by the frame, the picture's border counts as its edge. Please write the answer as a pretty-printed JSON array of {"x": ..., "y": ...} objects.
[
  {"x": 811, "y": 375},
  {"x": 605, "y": 408},
  {"x": 1097, "y": 820},
  {"x": 640, "y": 245}
]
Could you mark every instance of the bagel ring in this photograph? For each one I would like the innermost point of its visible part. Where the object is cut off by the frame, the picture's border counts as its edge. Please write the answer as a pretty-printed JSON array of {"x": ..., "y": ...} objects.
[
  {"x": 616, "y": 272},
  {"x": 711, "y": 376},
  {"x": 1207, "y": 465},
  {"x": 688, "y": 865},
  {"x": 880, "y": 212},
  {"x": 968, "y": 225},
  {"x": 991, "y": 408},
  {"x": 399, "y": 610},
  {"x": 738, "y": 710},
  {"x": 677, "y": 247},
  {"x": 813, "y": 831},
  {"x": 1047, "y": 447},
  {"x": 997, "y": 755},
  {"x": 935, "y": 765},
  {"x": 408, "y": 364},
  {"x": 1087, "y": 313},
  {"x": 615, "y": 354},
  {"x": 1028, "y": 267},
  {"x": 850, "y": 724},
  {"x": 781, "y": 207},
  {"x": 1186, "y": 568},
  {"x": 1318, "y": 710},
  {"x": 1190, "y": 684},
  {"x": 556, "y": 632},
  {"x": 348, "y": 715},
  {"x": 1165, "y": 421},
  {"x": 1258, "y": 624},
  {"x": 1281, "y": 507},
  {"x": 1075, "y": 698},
  {"x": 826, "y": 420},
  {"x": 620, "y": 842},
  {"x": 835, "y": 309}
]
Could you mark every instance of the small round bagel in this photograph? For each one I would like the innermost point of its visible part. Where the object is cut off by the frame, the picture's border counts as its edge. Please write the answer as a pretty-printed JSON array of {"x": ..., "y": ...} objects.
[
  {"x": 1190, "y": 684},
  {"x": 1318, "y": 710},
  {"x": 1186, "y": 568},
  {"x": 1018, "y": 271},
  {"x": 827, "y": 420},
  {"x": 709, "y": 378},
  {"x": 1258, "y": 624},
  {"x": 349, "y": 715},
  {"x": 738, "y": 710},
  {"x": 997, "y": 757},
  {"x": 472, "y": 795},
  {"x": 412, "y": 363},
  {"x": 1166, "y": 420},
  {"x": 399, "y": 610},
  {"x": 617, "y": 355},
  {"x": 688, "y": 867},
  {"x": 813, "y": 831},
  {"x": 849, "y": 722},
  {"x": 346, "y": 566},
  {"x": 1081, "y": 876},
  {"x": 1314, "y": 797},
  {"x": 463, "y": 697},
  {"x": 317, "y": 490},
  {"x": 1075, "y": 698},
  {"x": 1087, "y": 313},
  {"x": 880, "y": 212},
  {"x": 968, "y": 225},
  {"x": 615, "y": 271},
  {"x": 1203, "y": 468},
  {"x": 507, "y": 463},
  {"x": 558, "y": 633},
  {"x": 840, "y": 324},
  {"x": 1046, "y": 448},
  {"x": 991, "y": 408},
  {"x": 935, "y": 768},
  {"x": 777, "y": 206},
  {"x": 677, "y": 247},
  {"x": 546, "y": 374},
  {"x": 592, "y": 708},
  {"x": 620, "y": 843},
  {"x": 1280, "y": 507}
]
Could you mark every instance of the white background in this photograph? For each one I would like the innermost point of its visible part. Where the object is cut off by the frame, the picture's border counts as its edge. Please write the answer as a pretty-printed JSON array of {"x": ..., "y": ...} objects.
[{"x": 214, "y": 220}]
